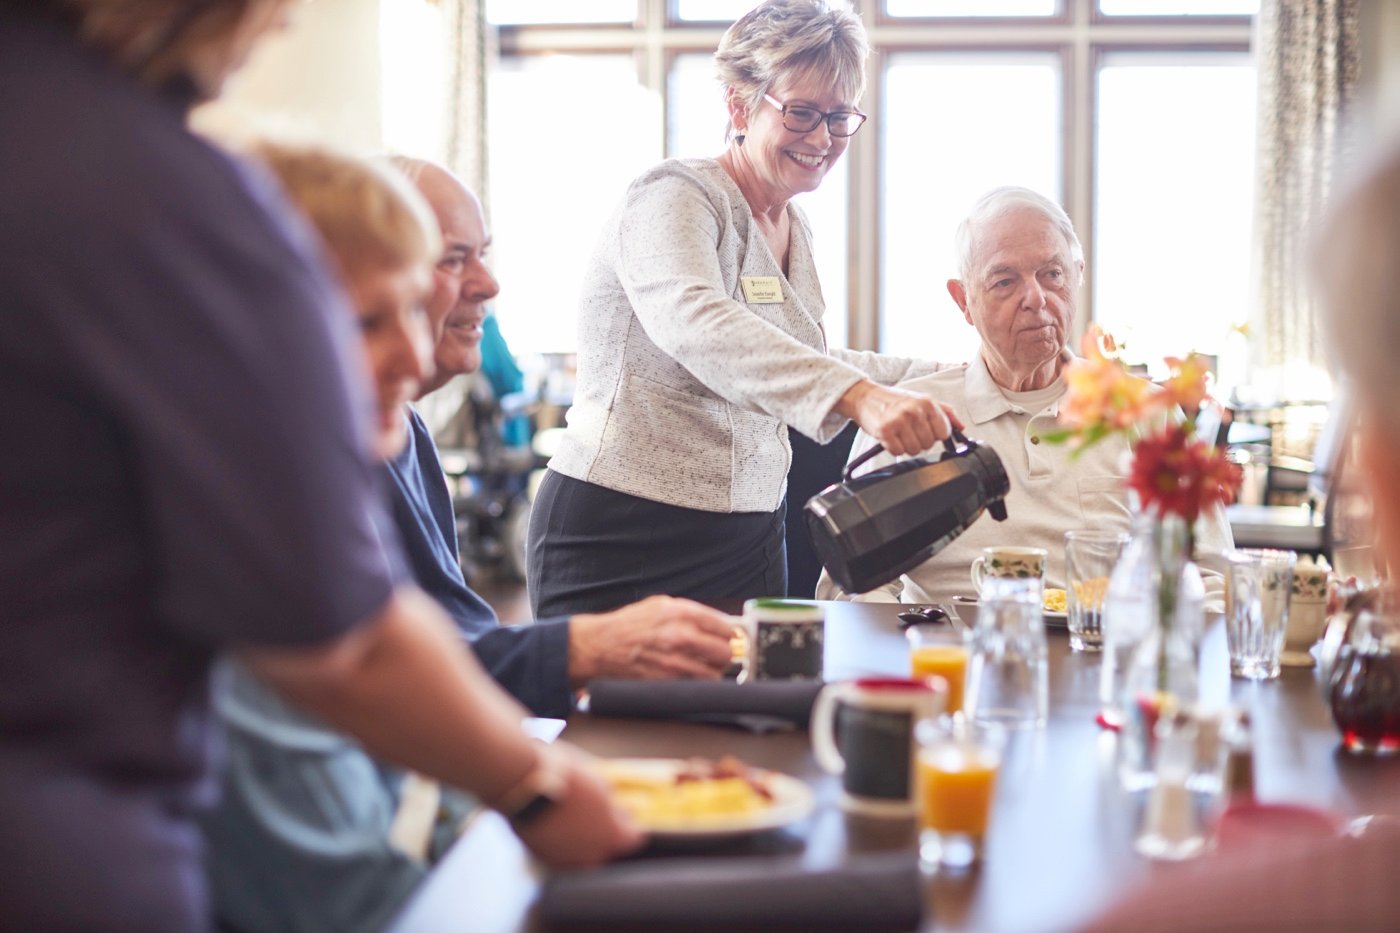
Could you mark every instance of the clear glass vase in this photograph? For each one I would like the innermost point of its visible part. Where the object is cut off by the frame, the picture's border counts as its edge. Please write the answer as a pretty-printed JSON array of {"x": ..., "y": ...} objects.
[
  {"x": 1161, "y": 677},
  {"x": 1129, "y": 613}
]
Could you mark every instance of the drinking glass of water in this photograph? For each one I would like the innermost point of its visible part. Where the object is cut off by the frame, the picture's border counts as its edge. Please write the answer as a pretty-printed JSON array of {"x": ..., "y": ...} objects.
[
  {"x": 1008, "y": 674},
  {"x": 1256, "y": 612}
]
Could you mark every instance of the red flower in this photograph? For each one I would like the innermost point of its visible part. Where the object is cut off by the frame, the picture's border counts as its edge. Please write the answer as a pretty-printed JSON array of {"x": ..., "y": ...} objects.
[{"x": 1176, "y": 473}]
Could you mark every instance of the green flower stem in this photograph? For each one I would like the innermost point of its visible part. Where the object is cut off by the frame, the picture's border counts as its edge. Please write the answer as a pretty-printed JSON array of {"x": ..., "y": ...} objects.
[{"x": 1175, "y": 544}]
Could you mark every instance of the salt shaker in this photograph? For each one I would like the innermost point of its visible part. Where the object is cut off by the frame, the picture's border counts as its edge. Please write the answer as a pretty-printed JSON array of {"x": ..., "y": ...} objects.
[
  {"x": 1239, "y": 762},
  {"x": 1206, "y": 777},
  {"x": 1172, "y": 829}
]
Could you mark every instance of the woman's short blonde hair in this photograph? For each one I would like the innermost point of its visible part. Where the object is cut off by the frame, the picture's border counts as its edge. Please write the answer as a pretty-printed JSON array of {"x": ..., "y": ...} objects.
[
  {"x": 365, "y": 211},
  {"x": 793, "y": 39}
]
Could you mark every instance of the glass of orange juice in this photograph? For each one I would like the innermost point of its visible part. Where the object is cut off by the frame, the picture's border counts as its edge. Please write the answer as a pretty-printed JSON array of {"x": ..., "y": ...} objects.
[
  {"x": 939, "y": 649},
  {"x": 956, "y": 770}
]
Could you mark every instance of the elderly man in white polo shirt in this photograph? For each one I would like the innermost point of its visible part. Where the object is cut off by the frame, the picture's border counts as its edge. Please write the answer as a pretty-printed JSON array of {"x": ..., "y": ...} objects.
[{"x": 1021, "y": 267}]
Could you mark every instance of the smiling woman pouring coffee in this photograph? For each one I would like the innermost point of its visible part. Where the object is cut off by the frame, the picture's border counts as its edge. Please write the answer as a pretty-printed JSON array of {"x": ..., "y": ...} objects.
[{"x": 701, "y": 339}]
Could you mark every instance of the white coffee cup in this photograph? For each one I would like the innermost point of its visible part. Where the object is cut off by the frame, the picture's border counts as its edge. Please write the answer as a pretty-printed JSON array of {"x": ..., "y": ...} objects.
[
  {"x": 1006, "y": 561},
  {"x": 1307, "y": 613}
]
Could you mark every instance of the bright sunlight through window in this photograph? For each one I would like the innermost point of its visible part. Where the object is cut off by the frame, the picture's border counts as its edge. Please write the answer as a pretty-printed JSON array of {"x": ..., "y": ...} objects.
[
  {"x": 1173, "y": 255},
  {"x": 413, "y": 81},
  {"x": 955, "y": 125},
  {"x": 567, "y": 134}
]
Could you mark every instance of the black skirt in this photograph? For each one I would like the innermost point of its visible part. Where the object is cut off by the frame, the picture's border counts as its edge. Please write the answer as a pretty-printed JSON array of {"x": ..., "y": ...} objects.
[{"x": 594, "y": 549}]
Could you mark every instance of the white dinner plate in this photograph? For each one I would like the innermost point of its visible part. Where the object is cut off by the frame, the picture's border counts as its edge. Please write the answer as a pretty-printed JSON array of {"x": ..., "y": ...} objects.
[{"x": 792, "y": 800}]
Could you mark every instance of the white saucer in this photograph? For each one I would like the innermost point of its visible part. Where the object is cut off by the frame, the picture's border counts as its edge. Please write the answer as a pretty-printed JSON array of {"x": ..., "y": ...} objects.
[{"x": 1296, "y": 659}]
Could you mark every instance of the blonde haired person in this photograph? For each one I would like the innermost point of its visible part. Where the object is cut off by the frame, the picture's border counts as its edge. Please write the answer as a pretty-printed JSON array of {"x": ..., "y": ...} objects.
[
  {"x": 701, "y": 340},
  {"x": 186, "y": 476},
  {"x": 381, "y": 238},
  {"x": 278, "y": 857}
]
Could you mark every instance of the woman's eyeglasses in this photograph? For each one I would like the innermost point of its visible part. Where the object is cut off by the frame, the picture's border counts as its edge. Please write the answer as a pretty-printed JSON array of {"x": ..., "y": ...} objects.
[{"x": 800, "y": 119}]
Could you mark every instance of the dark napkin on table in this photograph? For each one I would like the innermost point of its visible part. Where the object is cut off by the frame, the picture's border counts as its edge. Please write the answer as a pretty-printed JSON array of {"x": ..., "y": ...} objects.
[
  {"x": 713, "y": 701},
  {"x": 881, "y": 891}
]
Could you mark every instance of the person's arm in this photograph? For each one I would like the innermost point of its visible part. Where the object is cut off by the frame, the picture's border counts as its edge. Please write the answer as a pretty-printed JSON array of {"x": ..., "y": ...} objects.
[
  {"x": 404, "y": 686},
  {"x": 904, "y": 422},
  {"x": 531, "y": 662},
  {"x": 669, "y": 264},
  {"x": 675, "y": 246},
  {"x": 658, "y": 638},
  {"x": 889, "y": 370},
  {"x": 1213, "y": 540}
]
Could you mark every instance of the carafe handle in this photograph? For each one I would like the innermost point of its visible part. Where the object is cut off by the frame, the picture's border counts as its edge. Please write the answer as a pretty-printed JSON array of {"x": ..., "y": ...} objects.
[{"x": 950, "y": 447}]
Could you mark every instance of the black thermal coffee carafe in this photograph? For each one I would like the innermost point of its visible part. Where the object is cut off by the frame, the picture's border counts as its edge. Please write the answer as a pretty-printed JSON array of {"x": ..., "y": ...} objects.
[{"x": 868, "y": 530}]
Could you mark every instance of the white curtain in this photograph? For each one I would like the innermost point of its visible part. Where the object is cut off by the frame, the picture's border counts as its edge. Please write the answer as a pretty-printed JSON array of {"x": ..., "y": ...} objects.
[
  {"x": 471, "y": 49},
  {"x": 1308, "y": 56}
]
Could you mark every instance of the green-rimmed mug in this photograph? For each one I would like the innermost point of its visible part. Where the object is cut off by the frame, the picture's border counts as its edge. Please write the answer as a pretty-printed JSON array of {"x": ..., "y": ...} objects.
[
  {"x": 1021, "y": 563},
  {"x": 786, "y": 638}
]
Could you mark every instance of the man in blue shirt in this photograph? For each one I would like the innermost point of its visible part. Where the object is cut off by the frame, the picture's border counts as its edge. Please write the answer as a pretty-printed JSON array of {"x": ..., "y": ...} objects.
[{"x": 540, "y": 664}]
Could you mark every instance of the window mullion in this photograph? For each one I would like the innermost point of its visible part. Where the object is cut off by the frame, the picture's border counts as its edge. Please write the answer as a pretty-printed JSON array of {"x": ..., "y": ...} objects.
[{"x": 1078, "y": 148}]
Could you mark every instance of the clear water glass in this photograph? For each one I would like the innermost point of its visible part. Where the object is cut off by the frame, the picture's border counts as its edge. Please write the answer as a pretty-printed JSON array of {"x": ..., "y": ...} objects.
[
  {"x": 1090, "y": 557},
  {"x": 1256, "y": 610},
  {"x": 1008, "y": 670}
]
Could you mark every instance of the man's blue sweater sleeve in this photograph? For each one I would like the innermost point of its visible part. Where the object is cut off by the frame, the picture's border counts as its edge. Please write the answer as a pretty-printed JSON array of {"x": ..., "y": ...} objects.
[{"x": 532, "y": 662}]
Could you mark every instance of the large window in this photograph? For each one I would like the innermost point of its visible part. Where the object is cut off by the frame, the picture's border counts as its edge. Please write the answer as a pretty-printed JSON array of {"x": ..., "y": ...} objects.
[
  {"x": 568, "y": 132},
  {"x": 1137, "y": 115},
  {"x": 955, "y": 124},
  {"x": 1172, "y": 205},
  {"x": 549, "y": 12}
]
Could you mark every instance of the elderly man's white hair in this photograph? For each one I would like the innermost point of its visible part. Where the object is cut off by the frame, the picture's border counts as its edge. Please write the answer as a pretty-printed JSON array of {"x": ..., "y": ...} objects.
[
  {"x": 1002, "y": 201},
  {"x": 1357, "y": 265}
]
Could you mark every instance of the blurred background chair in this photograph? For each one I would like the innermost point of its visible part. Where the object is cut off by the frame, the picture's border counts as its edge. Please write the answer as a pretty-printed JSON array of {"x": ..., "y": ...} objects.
[
  {"x": 488, "y": 456},
  {"x": 1289, "y": 500}
]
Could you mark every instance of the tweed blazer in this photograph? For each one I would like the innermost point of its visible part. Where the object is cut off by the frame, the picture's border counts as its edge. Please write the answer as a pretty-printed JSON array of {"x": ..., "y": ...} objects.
[{"x": 684, "y": 388}]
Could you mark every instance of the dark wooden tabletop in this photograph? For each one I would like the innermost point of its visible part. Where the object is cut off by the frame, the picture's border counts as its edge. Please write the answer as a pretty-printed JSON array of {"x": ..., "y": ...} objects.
[{"x": 1060, "y": 845}]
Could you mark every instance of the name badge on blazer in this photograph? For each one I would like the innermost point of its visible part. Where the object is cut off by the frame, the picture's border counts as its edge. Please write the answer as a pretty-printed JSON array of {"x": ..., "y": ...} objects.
[{"x": 762, "y": 289}]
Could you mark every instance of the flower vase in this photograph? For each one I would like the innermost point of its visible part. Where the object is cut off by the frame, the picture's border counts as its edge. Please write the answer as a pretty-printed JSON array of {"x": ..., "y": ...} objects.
[{"x": 1162, "y": 675}]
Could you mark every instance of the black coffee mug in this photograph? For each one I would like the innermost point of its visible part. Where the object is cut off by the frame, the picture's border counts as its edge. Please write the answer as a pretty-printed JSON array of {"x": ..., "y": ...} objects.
[
  {"x": 786, "y": 639},
  {"x": 863, "y": 730}
]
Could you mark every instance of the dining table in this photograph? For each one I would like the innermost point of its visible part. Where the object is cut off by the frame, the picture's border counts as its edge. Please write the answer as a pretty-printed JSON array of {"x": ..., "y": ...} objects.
[{"x": 1060, "y": 847}]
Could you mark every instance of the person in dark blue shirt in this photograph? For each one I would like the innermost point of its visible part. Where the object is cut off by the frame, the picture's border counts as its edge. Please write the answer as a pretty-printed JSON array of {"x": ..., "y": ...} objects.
[
  {"x": 186, "y": 475},
  {"x": 544, "y": 663}
]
